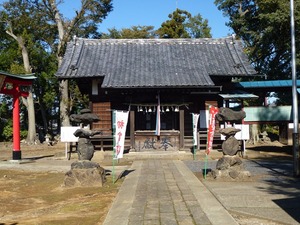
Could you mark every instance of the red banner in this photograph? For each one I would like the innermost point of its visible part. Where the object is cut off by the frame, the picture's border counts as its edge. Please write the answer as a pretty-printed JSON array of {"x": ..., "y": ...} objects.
[{"x": 211, "y": 128}]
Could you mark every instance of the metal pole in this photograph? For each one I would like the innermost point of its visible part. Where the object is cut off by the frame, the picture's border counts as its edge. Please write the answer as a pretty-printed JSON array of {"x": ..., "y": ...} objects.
[{"x": 295, "y": 96}]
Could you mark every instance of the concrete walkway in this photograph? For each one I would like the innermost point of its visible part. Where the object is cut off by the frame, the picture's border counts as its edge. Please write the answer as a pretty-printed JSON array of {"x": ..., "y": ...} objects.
[{"x": 165, "y": 192}]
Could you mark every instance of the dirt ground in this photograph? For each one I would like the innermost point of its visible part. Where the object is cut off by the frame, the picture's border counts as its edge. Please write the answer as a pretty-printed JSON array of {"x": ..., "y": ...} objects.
[{"x": 38, "y": 197}]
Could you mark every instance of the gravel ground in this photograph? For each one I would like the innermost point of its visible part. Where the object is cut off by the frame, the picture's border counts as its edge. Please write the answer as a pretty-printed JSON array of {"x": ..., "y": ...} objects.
[{"x": 263, "y": 169}]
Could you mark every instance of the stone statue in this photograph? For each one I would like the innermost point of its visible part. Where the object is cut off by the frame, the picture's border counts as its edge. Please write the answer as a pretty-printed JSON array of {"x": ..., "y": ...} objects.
[
  {"x": 231, "y": 145},
  {"x": 229, "y": 115},
  {"x": 84, "y": 172},
  {"x": 85, "y": 148},
  {"x": 230, "y": 165}
]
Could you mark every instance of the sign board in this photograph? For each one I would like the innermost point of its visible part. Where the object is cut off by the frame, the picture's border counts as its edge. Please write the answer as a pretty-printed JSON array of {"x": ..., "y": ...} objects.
[
  {"x": 67, "y": 134},
  {"x": 244, "y": 134}
]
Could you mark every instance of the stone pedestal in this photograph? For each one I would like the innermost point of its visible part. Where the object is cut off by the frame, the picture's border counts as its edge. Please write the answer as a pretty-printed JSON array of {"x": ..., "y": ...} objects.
[
  {"x": 230, "y": 167},
  {"x": 85, "y": 173}
]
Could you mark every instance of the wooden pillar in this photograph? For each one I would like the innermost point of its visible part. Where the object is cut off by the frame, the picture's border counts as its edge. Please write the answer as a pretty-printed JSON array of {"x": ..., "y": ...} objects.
[
  {"x": 132, "y": 129},
  {"x": 181, "y": 128}
]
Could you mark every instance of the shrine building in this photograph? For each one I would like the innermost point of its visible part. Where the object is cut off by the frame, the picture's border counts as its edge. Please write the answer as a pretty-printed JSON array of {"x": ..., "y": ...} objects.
[{"x": 183, "y": 76}]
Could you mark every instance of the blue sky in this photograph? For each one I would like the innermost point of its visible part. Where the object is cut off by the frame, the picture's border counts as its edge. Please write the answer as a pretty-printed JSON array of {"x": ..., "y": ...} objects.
[{"x": 128, "y": 13}]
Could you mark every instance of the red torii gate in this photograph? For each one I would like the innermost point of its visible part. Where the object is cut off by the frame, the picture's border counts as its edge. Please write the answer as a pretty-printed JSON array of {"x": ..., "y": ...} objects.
[{"x": 16, "y": 86}]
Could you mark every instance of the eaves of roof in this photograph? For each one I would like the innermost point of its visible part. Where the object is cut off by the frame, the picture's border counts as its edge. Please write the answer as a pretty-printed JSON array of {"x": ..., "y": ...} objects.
[
  {"x": 267, "y": 84},
  {"x": 19, "y": 76}
]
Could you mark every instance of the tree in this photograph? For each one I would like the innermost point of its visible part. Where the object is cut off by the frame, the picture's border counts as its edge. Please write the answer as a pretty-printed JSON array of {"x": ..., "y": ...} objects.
[
  {"x": 135, "y": 32},
  {"x": 197, "y": 27},
  {"x": 264, "y": 26},
  {"x": 174, "y": 28},
  {"x": 183, "y": 25},
  {"x": 41, "y": 31},
  {"x": 5, "y": 117},
  {"x": 21, "y": 23},
  {"x": 84, "y": 24}
]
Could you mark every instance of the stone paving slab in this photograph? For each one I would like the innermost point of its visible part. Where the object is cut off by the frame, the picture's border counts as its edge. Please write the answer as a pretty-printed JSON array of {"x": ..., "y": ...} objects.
[
  {"x": 260, "y": 199},
  {"x": 119, "y": 213},
  {"x": 165, "y": 192}
]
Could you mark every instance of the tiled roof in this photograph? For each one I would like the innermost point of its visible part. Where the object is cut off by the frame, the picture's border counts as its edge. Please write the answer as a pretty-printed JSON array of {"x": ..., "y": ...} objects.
[{"x": 155, "y": 63}]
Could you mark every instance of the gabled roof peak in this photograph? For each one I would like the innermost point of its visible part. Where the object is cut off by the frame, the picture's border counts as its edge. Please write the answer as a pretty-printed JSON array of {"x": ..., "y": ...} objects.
[{"x": 156, "y": 41}]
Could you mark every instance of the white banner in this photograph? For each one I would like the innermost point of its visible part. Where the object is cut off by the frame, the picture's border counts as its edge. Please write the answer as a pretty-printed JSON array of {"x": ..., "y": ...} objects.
[
  {"x": 121, "y": 119},
  {"x": 195, "y": 126},
  {"x": 157, "y": 129}
]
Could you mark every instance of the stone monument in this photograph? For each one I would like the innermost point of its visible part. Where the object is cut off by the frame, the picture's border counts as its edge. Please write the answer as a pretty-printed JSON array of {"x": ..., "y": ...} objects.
[
  {"x": 84, "y": 172},
  {"x": 230, "y": 165},
  {"x": 85, "y": 148}
]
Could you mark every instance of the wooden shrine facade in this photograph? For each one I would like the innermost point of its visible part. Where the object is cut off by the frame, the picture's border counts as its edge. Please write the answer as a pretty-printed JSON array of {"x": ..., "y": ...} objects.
[{"x": 183, "y": 76}]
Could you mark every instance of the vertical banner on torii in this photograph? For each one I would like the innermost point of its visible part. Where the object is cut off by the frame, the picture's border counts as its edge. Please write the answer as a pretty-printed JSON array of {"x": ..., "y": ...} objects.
[
  {"x": 121, "y": 119},
  {"x": 211, "y": 127}
]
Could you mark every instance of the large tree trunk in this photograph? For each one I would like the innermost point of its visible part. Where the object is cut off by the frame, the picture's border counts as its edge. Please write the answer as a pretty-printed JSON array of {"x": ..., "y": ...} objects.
[
  {"x": 64, "y": 98},
  {"x": 28, "y": 102},
  {"x": 31, "y": 136},
  {"x": 64, "y": 84}
]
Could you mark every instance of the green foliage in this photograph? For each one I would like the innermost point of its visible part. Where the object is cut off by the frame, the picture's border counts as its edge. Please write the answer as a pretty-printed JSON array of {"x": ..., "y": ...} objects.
[
  {"x": 271, "y": 129},
  {"x": 135, "y": 32},
  {"x": 16, "y": 69},
  {"x": 23, "y": 134},
  {"x": 197, "y": 27},
  {"x": 112, "y": 33},
  {"x": 174, "y": 28},
  {"x": 5, "y": 116},
  {"x": 84, "y": 24},
  {"x": 34, "y": 24},
  {"x": 7, "y": 132},
  {"x": 264, "y": 26},
  {"x": 77, "y": 100}
]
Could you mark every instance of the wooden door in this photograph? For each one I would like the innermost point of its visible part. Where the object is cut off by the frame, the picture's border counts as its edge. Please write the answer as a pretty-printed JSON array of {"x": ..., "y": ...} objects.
[{"x": 103, "y": 110}]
